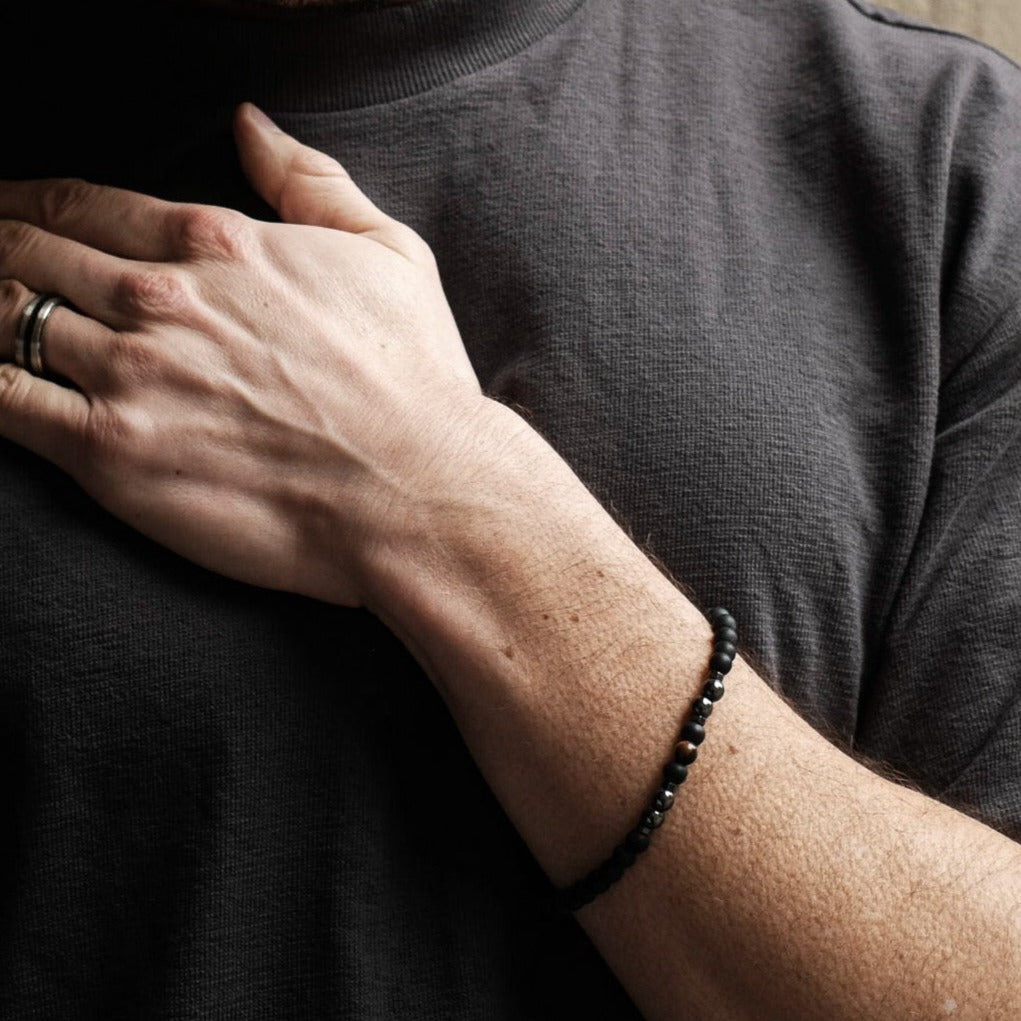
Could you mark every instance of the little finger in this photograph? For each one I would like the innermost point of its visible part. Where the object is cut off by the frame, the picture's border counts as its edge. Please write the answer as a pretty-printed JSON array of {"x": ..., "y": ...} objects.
[{"x": 42, "y": 416}]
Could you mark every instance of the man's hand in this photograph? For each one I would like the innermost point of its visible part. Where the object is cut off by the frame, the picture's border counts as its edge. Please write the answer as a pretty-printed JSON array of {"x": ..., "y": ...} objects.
[{"x": 265, "y": 399}]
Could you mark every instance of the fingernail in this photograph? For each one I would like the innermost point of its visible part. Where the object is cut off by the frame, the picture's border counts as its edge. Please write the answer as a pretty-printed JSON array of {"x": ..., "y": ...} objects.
[{"x": 259, "y": 118}]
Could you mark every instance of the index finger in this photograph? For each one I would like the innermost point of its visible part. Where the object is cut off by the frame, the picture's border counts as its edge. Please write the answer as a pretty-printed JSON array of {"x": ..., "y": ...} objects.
[{"x": 113, "y": 220}]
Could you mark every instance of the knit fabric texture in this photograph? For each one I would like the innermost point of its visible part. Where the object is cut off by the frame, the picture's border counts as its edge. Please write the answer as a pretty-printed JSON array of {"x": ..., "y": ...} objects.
[{"x": 754, "y": 269}]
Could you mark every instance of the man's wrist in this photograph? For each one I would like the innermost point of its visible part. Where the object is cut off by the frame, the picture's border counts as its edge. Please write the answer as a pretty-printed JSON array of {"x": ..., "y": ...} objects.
[{"x": 442, "y": 525}]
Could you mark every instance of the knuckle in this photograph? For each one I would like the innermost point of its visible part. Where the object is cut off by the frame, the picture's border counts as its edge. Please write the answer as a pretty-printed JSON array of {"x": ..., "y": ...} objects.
[
  {"x": 14, "y": 387},
  {"x": 15, "y": 239},
  {"x": 107, "y": 439},
  {"x": 12, "y": 296},
  {"x": 412, "y": 245},
  {"x": 314, "y": 163},
  {"x": 207, "y": 232},
  {"x": 129, "y": 358},
  {"x": 64, "y": 199},
  {"x": 157, "y": 293}
]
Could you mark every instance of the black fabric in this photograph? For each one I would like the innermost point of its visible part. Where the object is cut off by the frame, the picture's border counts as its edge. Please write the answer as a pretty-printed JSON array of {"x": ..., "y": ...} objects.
[{"x": 753, "y": 267}]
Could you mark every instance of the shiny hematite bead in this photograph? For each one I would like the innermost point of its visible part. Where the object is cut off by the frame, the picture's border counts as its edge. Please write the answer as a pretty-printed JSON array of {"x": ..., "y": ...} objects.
[
  {"x": 714, "y": 689},
  {"x": 653, "y": 819},
  {"x": 702, "y": 706},
  {"x": 663, "y": 801}
]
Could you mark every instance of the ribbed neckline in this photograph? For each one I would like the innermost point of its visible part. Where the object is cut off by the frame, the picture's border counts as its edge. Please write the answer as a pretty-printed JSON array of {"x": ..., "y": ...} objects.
[{"x": 338, "y": 57}]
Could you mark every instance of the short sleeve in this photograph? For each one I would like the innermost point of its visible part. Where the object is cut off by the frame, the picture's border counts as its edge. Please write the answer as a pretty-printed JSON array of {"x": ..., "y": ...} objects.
[{"x": 944, "y": 708}]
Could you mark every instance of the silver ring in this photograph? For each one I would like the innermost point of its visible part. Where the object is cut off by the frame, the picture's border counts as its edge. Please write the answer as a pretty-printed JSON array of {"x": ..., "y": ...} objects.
[
  {"x": 35, "y": 347},
  {"x": 24, "y": 328},
  {"x": 28, "y": 339}
]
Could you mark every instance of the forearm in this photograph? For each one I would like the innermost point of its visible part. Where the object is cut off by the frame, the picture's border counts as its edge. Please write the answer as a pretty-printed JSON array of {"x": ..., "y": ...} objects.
[{"x": 788, "y": 880}]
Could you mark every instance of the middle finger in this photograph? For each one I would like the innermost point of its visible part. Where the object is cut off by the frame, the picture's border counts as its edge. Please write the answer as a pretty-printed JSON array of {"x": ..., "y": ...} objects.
[{"x": 118, "y": 292}]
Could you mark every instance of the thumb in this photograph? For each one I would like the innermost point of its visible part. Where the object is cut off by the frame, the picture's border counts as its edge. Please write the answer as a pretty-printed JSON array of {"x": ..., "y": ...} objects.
[{"x": 302, "y": 184}]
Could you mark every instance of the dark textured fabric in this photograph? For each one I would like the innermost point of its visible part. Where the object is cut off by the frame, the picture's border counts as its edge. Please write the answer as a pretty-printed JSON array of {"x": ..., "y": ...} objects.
[{"x": 754, "y": 268}]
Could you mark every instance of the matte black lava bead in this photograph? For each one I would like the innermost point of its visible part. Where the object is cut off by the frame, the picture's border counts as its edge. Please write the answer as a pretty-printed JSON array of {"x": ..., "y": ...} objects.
[
  {"x": 693, "y": 732},
  {"x": 623, "y": 857},
  {"x": 720, "y": 663},
  {"x": 675, "y": 772},
  {"x": 612, "y": 871},
  {"x": 637, "y": 841},
  {"x": 721, "y": 620},
  {"x": 725, "y": 634},
  {"x": 726, "y": 648}
]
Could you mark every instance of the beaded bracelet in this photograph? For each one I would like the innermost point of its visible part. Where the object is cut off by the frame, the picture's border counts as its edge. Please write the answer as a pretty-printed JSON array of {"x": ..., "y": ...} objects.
[{"x": 675, "y": 772}]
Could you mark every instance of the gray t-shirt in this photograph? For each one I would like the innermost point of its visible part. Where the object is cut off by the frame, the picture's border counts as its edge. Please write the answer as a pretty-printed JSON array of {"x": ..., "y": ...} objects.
[{"x": 753, "y": 267}]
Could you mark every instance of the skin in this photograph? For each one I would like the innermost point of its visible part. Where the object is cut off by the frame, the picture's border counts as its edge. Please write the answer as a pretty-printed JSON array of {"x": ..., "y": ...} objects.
[{"x": 291, "y": 404}]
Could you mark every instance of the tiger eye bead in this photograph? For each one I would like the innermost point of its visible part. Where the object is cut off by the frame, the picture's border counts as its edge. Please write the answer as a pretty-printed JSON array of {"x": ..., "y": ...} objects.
[{"x": 686, "y": 752}]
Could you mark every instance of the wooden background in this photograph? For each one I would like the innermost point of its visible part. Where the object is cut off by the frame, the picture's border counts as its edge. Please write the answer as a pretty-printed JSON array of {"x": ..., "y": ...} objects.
[{"x": 997, "y": 22}]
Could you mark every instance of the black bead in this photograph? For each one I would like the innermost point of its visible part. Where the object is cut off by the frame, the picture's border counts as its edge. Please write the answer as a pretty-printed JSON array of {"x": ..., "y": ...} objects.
[
  {"x": 653, "y": 819},
  {"x": 702, "y": 706},
  {"x": 623, "y": 857},
  {"x": 720, "y": 619},
  {"x": 714, "y": 689},
  {"x": 675, "y": 772},
  {"x": 599, "y": 882},
  {"x": 637, "y": 841},
  {"x": 576, "y": 897},
  {"x": 612, "y": 871},
  {"x": 697, "y": 718},
  {"x": 663, "y": 801},
  {"x": 693, "y": 732},
  {"x": 720, "y": 663},
  {"x": 726, "y": 648},
  {"x": 725, "y": 634}
]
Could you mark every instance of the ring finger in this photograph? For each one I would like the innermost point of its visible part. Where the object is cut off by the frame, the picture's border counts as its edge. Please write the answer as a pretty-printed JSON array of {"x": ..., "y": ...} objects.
[{"x": 72, "y": 344}]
